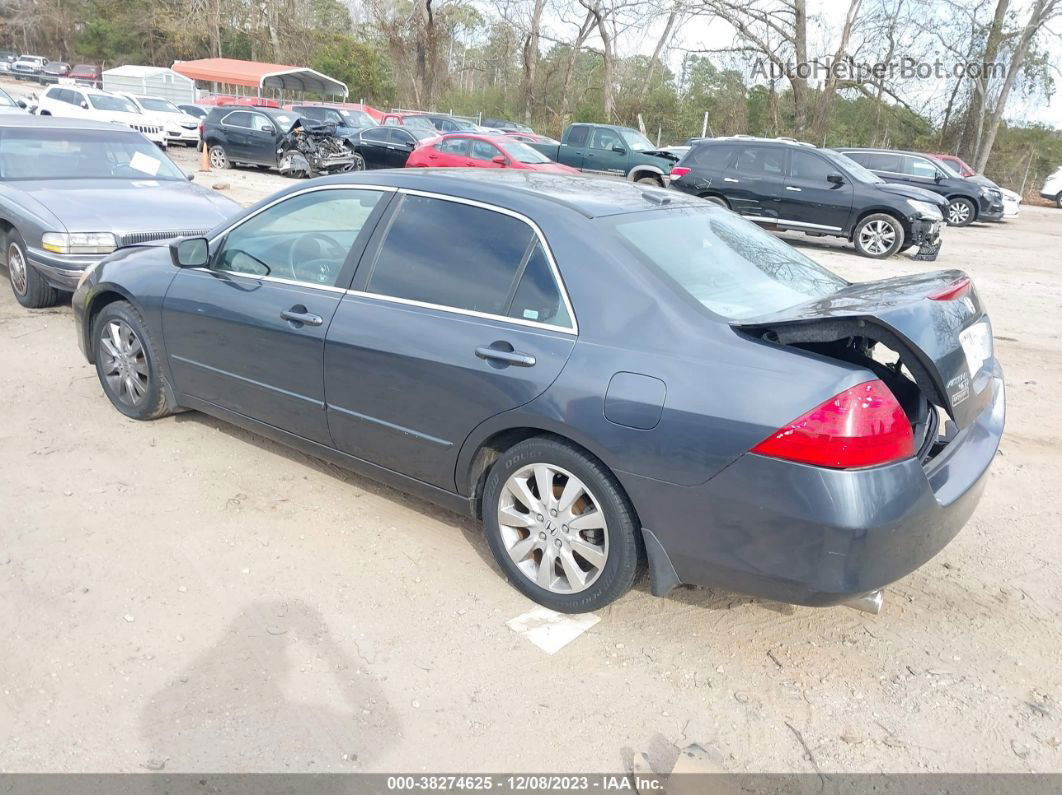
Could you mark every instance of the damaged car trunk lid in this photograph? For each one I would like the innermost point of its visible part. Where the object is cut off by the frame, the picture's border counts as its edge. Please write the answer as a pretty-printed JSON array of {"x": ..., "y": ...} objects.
[{"x": 934, "y": 322}]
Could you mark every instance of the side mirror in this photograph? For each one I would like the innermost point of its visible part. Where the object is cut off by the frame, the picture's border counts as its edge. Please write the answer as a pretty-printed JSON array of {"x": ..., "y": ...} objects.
[
  {"x": 619, "y": 150},
  {"x": 500, "y": 160},
  {"x": 938, "y": 176},
  {"x": 191, "y": 252},
  {"x": 84, "y": 104},
  {"x": 835, "y": 179},
  {"x": 191, "y": 176},
  {"x": 268, "y": 129},
  {"x": 22, "y": 104}
]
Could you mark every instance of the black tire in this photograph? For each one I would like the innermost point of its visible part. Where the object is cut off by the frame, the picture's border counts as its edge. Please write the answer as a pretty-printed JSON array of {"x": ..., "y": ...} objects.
[
  {"x": 719, "y": 201},
  {"x": 152, "y": 403},
  {"x": 218, "y": 157},
  {"x": 1058, "y": 199},
  {"x": 31, "y": 289},
  {"x": 960, "y": 212},
  {"x": 624, "y": 557},
  {"x": 878, "y": 236}
]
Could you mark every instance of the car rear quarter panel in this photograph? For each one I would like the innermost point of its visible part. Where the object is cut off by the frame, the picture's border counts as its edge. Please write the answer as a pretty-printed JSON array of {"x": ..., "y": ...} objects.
[{"x": 723, "y": 392}]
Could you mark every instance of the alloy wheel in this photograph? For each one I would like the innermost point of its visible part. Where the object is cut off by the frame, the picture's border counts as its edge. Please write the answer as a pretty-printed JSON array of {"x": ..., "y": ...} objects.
[
  {"x": 553, "y": 528},
  {"x": 877, "y": 237},
  {"x": 16, "y": 267},
  {"x": 958, "y": 212},
  {"x": 125, "y": 365},
  {"x": 218, "y": 159}
]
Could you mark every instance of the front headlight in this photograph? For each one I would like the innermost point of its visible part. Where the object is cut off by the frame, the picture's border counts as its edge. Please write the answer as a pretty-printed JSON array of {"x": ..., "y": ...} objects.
[
  {"x": 79, "y": 242},
  {"x": 925, "y": 209}
]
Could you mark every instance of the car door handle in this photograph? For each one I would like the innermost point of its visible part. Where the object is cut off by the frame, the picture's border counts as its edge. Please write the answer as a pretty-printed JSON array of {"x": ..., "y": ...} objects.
[
  {"x": 790, "y": 187},
  {"x": 509, "y": 357},
  {"x": 730, "y": 179},
  {"x": 298, "y": 314}
]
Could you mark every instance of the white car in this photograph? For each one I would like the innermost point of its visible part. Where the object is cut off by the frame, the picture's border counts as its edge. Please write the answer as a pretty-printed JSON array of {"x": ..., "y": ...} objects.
[
  {"x": 28, "y": 66},
  {"x": 78, "y": 102},
  {"x": 180, "y": 127},
  {"x": 1011, "y": 203},
  {"x": 1052, "y": 189}
]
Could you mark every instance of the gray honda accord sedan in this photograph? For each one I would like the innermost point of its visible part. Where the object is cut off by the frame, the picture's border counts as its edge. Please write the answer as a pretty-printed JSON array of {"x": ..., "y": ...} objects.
[
  {"x": 612, "y": 377},
  {"x": 72, "y": 191}
]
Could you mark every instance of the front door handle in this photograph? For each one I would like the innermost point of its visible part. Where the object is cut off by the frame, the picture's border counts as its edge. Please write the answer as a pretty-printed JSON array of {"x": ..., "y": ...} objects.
[
  {"x": 298, "y": 314},
  {"x": 730, "y": 179},
  {"x": 790, "y": 187},
  {"x": 509, "y": 357}
]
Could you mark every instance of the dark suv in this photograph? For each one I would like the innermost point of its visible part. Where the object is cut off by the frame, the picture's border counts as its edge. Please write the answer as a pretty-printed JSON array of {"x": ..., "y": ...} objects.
[
  {"x": 787, "y": 185},
  {"x": 967, "y": 201}
]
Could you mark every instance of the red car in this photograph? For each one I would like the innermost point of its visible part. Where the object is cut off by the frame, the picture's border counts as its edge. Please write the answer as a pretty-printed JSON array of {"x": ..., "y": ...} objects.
[
  {"x": 957, "y": 163},
  {"x": 84, "y": 74},
  {"x": 483, "y": 151}
]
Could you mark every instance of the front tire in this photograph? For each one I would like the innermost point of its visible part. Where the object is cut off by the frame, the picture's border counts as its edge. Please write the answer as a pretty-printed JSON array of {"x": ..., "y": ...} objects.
[
  {"x": 878, "y": 236},
  {"x": 960, "y": 212},
  {"x": 30, "y": 288},
  {"x": 127, "y": 363},
  {"x": 560, "y": 526}
]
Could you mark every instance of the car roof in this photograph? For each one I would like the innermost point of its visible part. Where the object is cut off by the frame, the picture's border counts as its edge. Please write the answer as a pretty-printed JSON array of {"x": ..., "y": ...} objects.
[
  {"x": 592, "y": 197},
  {"x": 60, "y": 122},
  {"x": 886, "y": 151}
]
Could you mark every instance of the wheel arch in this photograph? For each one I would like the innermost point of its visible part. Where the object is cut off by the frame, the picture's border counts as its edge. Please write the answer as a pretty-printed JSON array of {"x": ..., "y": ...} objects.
[
  {"x": 638, "y": 172},
  {"x": 704, "y": 194},
  {"x": 904, "y": 225},
  {"x": 973, "y": 201},
  {"x": 104, "y": 296}
]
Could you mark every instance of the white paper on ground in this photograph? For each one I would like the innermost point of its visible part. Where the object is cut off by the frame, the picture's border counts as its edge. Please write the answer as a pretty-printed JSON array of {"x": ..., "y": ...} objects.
[{"x": 549, "y": 630}]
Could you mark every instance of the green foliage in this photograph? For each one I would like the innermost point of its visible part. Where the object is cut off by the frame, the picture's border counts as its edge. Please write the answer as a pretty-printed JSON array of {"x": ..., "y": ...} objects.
[{"x": 362, "y": 66}]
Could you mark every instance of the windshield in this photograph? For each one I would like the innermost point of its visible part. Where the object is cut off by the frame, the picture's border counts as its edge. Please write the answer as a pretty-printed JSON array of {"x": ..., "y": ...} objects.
[
  {"x": 419, "y": 122},
  {"x": 946, "y": 168},
  {"x": 857, "y": 172},
  {"x": 6, "y": 101},
  {"x": 56, "y": 68},
  {"x": 42, "y": 153},
  {"x": 161, "y": 105},
  {"x": 636, "y": 141},
  {"x": 105, "y": 102},
  {"x": 357, "y": 118},
  {"x": 724, "y": 262},
  {"x": 421, "y": 133},
  {"x": 523, "y": 153}
]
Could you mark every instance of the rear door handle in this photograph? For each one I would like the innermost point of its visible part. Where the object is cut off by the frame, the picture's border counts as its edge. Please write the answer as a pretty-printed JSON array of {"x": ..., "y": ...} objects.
[
  {"x": 509, "y": 357},
  {"x": 298, "y": 314},
  {"x": 790, "y": 187},
  {"x": 730, "y": 179}
]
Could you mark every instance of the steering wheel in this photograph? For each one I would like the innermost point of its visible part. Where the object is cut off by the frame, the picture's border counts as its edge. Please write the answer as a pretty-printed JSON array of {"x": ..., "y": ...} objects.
[{"x": 314, "y": 256}]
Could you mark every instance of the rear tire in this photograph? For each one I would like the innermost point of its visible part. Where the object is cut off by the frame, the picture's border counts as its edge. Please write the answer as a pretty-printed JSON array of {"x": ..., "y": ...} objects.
[
  {"x": 878, "y": 236},
  {"x": 127, "y": 363},
  {"x": 960, "y": 212},
  {"x": 218, "y": 157},
  {"x": 718, "y": 201},
  {"x": 551, "y": 560},
  {"x": 649, "y": 181},
  {"x": 31, "y": 289}
]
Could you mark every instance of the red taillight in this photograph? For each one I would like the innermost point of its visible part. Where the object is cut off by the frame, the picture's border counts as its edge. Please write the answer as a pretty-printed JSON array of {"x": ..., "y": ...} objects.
[
  {"x": 861, "y": 427},
  {"x": 200, "y": 129},
  {"x": 679, "y": 171},
  {"x": 957, "y": 289}
]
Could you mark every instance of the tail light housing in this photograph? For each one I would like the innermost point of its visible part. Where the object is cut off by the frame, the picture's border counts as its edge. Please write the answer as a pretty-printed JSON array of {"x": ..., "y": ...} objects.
[
  {"x": 954, "y": 291},
  {"x": 679, "y": 171},
  {"x": 860, "y": 427}
]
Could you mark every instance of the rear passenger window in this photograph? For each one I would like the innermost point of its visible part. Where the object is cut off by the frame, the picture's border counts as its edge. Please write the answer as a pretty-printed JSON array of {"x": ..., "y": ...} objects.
[
  {"x": 238, "y": 118},
  {"x": 456, "y": 255},
  {"x": 538, "y": 296},
  {"x": 577, "y": 136},
  {"x": 453, "y": 146},
  {"x": 883, "y": 161},
  {"x": 761, "y": 161},
  {"x": 709, "y": 155}
]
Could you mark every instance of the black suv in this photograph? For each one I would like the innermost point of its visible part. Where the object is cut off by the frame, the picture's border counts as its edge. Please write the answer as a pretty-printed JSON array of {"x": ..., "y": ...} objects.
[
  {"x": 274, "y": 137},
  {"x": 967, "y": 201},
  {"x": 787, "y": 185}
]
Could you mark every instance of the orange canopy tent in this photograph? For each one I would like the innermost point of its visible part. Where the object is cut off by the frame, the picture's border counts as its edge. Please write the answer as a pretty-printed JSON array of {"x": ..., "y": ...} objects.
[{"x": 260, "y": 76}]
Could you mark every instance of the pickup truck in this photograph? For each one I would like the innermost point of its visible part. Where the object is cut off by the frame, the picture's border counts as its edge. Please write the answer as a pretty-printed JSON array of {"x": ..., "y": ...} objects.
[{"x": 608, "y": 149}]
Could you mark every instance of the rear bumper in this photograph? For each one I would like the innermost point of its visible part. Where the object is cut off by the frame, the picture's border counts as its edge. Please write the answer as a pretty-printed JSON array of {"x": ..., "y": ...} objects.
[{"x": 813, "y": 536}]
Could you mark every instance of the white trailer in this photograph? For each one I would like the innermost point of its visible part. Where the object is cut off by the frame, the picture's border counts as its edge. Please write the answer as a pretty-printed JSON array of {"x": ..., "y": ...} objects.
[{"x": 150, "y": 81}]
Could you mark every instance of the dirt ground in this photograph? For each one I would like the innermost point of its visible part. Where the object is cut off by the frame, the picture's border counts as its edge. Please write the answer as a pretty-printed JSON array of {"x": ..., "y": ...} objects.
[{"x": 183, "y": 593}]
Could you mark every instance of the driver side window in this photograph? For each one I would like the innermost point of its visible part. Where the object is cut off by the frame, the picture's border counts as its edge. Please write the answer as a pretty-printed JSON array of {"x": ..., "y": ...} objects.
[{"x": 304, "y": 239}]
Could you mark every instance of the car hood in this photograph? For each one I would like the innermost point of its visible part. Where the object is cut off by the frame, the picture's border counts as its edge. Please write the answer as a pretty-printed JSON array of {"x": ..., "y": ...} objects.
[
  {"x": 911, "y": 192},
  {"x": 124, "y": 206},
  {"x": 981, "y": 179}
]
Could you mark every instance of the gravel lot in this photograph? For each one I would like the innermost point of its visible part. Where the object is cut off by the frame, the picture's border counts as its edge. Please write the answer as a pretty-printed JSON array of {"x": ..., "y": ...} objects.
[{"x": 185, "y": 593}]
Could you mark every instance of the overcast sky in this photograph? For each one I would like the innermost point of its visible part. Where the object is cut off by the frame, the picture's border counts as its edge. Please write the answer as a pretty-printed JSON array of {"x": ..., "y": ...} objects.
[{"x": 828, "y": 17}]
